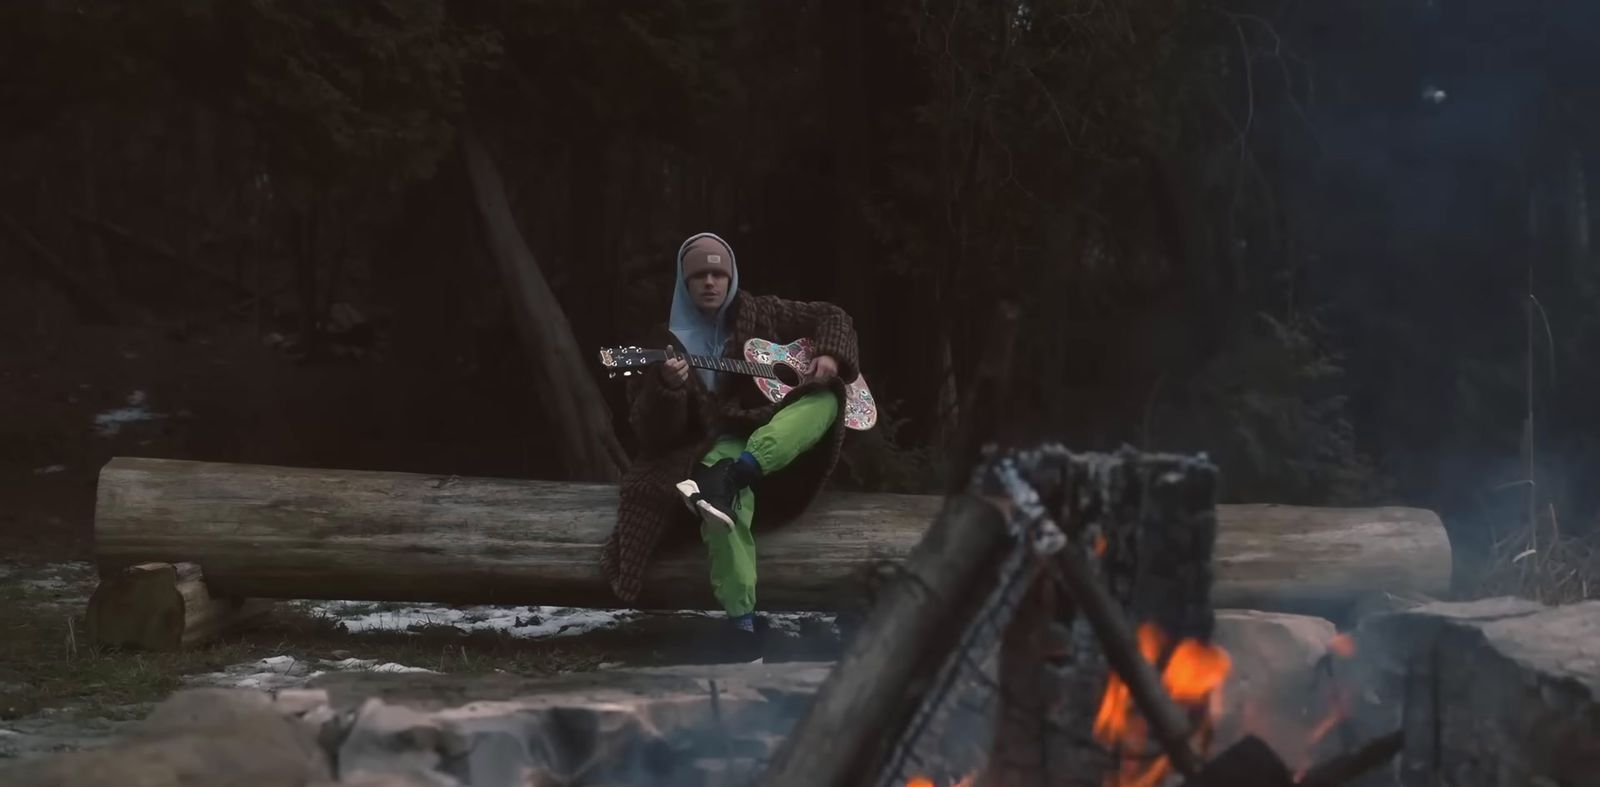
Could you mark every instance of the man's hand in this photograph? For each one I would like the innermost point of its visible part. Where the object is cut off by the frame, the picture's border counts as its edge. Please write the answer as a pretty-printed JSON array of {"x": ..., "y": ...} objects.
[
  {"x": 824, "y": 368},
  {"x": 675, "y": 372}
]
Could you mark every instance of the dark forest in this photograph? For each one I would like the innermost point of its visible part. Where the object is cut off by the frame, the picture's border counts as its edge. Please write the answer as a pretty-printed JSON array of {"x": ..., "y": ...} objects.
[{"x": 1343, "y": 248}]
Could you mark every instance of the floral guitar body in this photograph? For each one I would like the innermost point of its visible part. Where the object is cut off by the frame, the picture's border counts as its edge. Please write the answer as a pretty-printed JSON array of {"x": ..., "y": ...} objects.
[
  {"x": 775, "y": 368},
  {"x": 860, "y": 410}
]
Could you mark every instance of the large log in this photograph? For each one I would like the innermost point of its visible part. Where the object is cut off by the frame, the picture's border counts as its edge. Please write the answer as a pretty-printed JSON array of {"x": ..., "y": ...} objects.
[{"x": 281, "y": 532}]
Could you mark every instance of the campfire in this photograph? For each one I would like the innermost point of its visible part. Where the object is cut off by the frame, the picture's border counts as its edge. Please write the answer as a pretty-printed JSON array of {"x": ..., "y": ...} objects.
[
  {"x": 1193, "y": 677},
  {"x": 1071, "y": 609}
]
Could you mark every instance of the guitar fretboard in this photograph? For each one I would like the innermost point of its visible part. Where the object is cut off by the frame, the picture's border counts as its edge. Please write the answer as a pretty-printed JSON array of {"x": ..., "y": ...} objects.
[{"x": 734, "y": 365}]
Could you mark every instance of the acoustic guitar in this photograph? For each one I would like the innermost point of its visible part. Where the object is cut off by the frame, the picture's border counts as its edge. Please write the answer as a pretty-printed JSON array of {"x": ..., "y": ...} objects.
[{"x": 776, "y": 369}]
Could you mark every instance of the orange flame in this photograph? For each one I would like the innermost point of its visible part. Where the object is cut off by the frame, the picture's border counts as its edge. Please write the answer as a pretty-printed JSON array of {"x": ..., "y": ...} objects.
[
  {"x": 1193, "y": 677},
  {"x": 1343, "y": 646},
  {"x": 922, "y": 781}
]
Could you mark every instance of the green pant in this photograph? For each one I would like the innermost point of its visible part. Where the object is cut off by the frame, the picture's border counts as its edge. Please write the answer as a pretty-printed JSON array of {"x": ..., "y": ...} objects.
[{"x": 791, "y": 432}]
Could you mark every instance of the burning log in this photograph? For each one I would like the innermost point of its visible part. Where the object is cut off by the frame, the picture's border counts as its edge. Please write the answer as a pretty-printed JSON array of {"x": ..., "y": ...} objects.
[
  {"x": 1169, "y": 550},
  {"x": 1141, "y": 531}
]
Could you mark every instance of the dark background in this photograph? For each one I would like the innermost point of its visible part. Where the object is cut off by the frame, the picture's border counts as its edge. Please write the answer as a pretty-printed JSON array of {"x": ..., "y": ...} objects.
[{"x": 1248, "y": 228}]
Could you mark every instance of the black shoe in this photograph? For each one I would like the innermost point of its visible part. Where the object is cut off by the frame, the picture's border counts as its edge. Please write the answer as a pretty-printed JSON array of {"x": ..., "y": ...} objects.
[
  {"x": 742, "y": 646},
  {"x": 710, "y": 492}
]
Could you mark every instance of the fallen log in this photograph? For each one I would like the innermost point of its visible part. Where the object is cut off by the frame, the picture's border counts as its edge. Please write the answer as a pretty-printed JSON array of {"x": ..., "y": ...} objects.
[{"x": 283, "y": 532}]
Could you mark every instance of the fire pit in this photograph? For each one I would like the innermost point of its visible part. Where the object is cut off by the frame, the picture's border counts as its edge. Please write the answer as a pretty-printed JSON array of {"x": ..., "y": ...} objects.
[{"x": 1076, "y": 616}]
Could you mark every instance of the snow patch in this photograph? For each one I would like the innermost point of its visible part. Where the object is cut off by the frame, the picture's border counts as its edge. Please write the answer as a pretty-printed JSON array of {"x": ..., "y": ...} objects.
[
  {"x": 48, "y": 583},
  {"x": 65, "y": 583},
  {"x": 522, "y": 622},
  {"x": 288, "y": 672},
  {"x": 110, "y": 422}
]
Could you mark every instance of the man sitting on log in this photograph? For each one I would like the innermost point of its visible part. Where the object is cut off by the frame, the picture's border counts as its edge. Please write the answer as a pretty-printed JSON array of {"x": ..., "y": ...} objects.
[{"x": 711, "y": 445}]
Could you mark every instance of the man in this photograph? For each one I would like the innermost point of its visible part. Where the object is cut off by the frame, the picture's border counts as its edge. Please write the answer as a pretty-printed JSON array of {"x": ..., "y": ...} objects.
[{"x": 711, "y": 445}]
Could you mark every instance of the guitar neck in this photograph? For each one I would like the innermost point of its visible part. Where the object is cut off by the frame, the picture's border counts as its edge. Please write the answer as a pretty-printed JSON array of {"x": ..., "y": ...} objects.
[{"x": 733, "y": 365}]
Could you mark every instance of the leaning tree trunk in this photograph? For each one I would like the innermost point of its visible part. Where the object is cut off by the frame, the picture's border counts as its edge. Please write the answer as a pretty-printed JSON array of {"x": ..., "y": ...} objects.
[{"x": 578, "y": 416}]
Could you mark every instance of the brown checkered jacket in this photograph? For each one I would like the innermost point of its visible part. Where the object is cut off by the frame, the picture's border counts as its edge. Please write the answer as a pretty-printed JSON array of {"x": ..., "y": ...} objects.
[{"x": 677, "y": 426}]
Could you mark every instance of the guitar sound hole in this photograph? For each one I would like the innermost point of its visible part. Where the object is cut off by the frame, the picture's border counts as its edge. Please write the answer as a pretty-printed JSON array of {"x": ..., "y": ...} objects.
[{"x": 786, "y": 374}]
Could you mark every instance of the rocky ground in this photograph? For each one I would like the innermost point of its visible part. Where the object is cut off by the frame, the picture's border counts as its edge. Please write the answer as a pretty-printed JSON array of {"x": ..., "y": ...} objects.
[
  {"x": 1495, "y": 692},
  {"x": 59, "y": 693}
]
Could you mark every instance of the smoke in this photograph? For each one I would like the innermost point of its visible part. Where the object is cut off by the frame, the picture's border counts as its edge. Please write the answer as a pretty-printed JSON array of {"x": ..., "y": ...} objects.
[{"x": 1427, "y": 159}]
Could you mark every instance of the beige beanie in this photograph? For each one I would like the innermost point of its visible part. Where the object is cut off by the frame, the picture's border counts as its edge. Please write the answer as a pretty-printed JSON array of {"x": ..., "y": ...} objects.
[{"x": 705, "y": 254}]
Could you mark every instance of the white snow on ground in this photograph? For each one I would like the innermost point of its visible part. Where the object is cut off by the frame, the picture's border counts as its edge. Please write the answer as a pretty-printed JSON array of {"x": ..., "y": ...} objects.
[
  {"x": 523, "y": 622},
  {"x": 48, "y": 583},
  {"x": 110, "y": 422},
  {"x": 70, "y": 583},
  {"x": 288, "y": 672},
  {"x": 66, "y": 584}
]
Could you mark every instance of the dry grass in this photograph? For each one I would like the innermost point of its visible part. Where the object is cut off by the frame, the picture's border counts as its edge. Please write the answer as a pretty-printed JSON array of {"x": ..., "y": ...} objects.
[{"x": 1544, "y": 564}]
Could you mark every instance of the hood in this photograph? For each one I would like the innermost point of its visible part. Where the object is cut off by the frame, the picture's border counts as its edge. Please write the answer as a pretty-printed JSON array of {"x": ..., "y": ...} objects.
[{"x": 698, "y": 333}]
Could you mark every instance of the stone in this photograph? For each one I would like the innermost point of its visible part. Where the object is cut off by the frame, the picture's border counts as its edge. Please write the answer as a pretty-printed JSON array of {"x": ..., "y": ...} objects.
[
  {"x": 1379, "y": 602},
  {"x": 198, "y": 737},
  {"x": 297, "y": 702},
  {"x": 665, "y": 726},
  {"x": 364, "y": 779},
  {"x": 1490, "y": 693},
  {"x": 698, "y": 726},
  {"x": 1276, "y": 687},
  {"x": 391, "y": 739}
]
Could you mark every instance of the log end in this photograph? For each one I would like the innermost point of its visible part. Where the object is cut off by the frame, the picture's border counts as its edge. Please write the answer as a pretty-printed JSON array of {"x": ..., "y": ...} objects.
[{"x": 163, "y": 607}]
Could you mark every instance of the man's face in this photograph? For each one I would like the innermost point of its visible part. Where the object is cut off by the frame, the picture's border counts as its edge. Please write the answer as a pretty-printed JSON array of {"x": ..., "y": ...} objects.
[{"x": 709, "y": 289}]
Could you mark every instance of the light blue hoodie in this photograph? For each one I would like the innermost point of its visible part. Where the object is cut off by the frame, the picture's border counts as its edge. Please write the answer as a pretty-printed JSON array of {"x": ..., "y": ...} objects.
[{"x": 700, "y": 334}]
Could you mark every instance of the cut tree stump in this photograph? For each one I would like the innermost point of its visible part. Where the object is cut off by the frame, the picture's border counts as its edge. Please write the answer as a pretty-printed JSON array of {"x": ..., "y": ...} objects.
[
  {"x": 282, "y": 532},
  {"x": 164, "y": 607}
]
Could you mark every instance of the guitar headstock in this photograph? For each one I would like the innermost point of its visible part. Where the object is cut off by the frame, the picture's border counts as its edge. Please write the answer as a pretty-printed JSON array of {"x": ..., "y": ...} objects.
[{"x": 628, "y": 361}]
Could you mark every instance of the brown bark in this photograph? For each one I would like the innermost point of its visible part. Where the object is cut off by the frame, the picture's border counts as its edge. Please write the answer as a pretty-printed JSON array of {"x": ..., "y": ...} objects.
[
  {"x": 578, "y": 417},
  {"x": 277, "y": 532}
]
